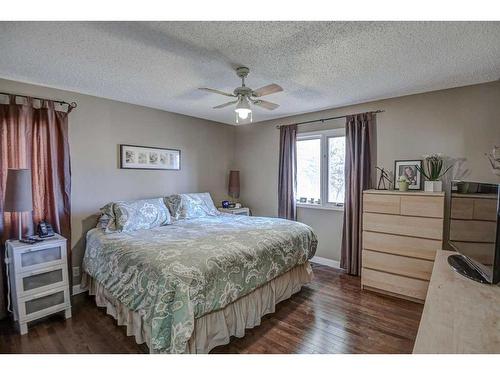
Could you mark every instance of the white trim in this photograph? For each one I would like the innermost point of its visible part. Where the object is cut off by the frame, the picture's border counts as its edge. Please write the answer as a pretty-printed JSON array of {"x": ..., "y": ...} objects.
[
  {"x": 77, "y": 289},
  {"x": 320, "y": 207},
  {"x": 318, "y": 133},
  {"x": 323, "y": 136},
  {"x": 326, "y": 262}
]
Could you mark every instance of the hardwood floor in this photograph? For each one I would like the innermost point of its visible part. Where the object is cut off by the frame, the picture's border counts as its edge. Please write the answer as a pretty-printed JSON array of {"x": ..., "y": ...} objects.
[{"x": 330, "y": 315}]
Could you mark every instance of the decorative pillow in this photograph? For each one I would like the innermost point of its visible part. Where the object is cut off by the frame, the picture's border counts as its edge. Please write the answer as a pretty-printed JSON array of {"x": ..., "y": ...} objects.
[
  {"x": 141, "y": 214},
  {"x": 107, "y": 219},
  {"x": 190, "y": 206}
]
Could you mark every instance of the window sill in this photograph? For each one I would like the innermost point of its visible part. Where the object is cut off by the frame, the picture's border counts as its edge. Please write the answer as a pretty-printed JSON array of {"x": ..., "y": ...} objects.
[{"x": 319, "y": 207}]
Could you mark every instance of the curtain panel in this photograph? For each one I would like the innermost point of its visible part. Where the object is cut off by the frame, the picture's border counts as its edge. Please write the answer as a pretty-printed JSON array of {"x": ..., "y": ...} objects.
[
  {"x": 35, "y": 137},
  {"x": 360, "y": 163},
  {"x": 287, "y": 177}
]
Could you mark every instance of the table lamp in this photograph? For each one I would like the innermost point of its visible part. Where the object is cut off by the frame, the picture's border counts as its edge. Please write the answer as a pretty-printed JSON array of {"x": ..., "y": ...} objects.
[
  {"x": 18, "y": 195},
  {"x": 234, "y": 184}
]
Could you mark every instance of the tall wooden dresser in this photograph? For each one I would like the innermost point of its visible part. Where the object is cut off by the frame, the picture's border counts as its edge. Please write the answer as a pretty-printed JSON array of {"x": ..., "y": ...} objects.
[{"x": 401, "y": 233}]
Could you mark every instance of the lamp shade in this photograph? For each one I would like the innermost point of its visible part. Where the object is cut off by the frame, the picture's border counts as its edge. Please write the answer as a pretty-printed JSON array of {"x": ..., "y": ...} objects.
[
  {"x": 234, "y": 184},
  {"x": 18, "y": 196}
]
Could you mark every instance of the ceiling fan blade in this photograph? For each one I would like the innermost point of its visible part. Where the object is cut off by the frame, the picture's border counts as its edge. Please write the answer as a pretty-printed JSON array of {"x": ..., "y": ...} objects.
[
  {"x": 267, "y": 90},
  {"x": 225, "y": 104},
  {"x": 216, "y": 91},
  {"x": 265, "y": 104}
]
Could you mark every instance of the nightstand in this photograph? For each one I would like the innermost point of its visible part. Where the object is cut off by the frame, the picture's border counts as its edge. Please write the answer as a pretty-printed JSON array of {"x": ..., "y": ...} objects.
[
  {"x": 245, "y": 211},
  {"x": 38, "y": 277}
]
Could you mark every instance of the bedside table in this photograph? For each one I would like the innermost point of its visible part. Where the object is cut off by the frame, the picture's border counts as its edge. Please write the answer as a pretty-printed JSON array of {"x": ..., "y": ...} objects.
[
  {"x": 38, "y": 277},
  {"x": 245, "y": 211}
]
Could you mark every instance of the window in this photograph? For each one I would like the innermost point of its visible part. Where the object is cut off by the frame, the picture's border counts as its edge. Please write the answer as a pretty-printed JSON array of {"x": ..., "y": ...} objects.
[
  {"x": 308, "y": 169},
  {"x": 336, "y": 177},
  {"x": 320, "y": 169}
]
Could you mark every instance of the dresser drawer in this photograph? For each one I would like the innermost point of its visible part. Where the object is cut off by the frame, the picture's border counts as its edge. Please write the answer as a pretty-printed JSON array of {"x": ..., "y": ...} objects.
[
  {"x": 404, "y": 225},
  {"x": 420, "y": 205},
  {"x": 421, "y": 248},
  {"x": 485, "y": 209},
  {"x": 381, "y": 203},
  {"x": 41, "y": 280},
  {"x": 473, "y": 231},
  {"x": 462, "y": 208},
  {"x": 397, "y": 264},
  {"x": 402, "y": 286},
  {"x": 48, "y": 255},
  {"x": 41, "y": 304}
]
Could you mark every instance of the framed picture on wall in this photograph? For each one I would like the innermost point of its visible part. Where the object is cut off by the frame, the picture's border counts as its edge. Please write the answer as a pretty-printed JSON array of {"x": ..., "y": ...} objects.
[
  {"x": 143, "y": 157},
  {"x": 408, "y": 169}
]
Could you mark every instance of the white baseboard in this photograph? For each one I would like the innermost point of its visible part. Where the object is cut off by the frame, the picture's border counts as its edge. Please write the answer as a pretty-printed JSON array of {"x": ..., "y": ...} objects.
[
  {"x": 326, "y": 262},
  {"x": 77, "y": 289}
]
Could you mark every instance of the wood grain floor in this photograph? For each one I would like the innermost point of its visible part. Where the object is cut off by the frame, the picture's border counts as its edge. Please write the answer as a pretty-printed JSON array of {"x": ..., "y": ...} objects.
[{"x": 330, "y": 315}]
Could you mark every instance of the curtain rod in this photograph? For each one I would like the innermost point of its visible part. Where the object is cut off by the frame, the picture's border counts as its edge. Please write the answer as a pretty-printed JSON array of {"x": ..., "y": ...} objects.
[
  {"x": 328, "y": 118},
  {"x": 71, "y": 105}
]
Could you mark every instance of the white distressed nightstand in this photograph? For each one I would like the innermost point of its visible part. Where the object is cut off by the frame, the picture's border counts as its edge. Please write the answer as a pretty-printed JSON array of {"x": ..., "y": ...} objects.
[
  {"x": 38, "y": 276},
  {"x": 245, "y": 211}
]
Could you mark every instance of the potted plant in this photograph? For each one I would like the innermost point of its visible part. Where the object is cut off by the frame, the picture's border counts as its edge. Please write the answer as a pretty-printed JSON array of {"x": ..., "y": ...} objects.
[
  {"x": 433, "y": 172},
  {"x": 403, "y": 183}
]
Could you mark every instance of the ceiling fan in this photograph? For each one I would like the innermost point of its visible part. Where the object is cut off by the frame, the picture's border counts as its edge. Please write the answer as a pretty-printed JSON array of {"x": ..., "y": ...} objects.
[{"x": 246, "y": 96}]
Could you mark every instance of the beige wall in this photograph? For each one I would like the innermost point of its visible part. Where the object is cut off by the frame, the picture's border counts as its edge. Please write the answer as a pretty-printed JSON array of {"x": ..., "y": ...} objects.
[
  {"x": 98, "y": 126},
  {"x": 460, "y": 122}
]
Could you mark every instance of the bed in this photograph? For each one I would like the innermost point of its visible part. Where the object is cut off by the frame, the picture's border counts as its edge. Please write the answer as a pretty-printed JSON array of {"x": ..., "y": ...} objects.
[{"x": 188, "y": 286}]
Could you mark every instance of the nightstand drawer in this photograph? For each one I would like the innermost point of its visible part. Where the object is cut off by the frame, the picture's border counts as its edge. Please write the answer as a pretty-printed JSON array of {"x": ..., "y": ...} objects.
[
  {"x": 34, "y": 282},
  {"x": 243, "y": 211},
  {"x": 34, "y": 258},
  {"x": 41, "y": 304}
]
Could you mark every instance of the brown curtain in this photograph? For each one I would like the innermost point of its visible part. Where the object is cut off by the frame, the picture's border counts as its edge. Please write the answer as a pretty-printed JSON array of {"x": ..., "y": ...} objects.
[
  {"x": 359, "y": 176},
  {"x": 35, "y": 137},
  {"x": 287, "y": 178}
]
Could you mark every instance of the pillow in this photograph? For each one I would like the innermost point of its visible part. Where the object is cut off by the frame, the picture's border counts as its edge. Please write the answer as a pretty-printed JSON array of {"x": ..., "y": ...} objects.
[
  {"x": 132, "y": 215},
  {"x": 141, "y": 214},
  {"x": 107, "y": 219},
  {"x": 190, "y": 206}
]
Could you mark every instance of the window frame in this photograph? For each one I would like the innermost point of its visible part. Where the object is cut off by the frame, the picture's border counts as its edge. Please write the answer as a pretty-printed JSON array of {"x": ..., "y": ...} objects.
[{"x": 324, "y": 136}]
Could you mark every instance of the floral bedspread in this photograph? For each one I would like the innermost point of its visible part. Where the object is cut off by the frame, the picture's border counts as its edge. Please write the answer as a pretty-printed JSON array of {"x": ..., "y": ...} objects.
[{"x": 177, "y": 273}]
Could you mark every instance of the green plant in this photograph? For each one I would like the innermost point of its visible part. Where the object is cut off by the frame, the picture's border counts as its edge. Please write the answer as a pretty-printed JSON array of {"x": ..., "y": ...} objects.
[
  {"x": 433, "y": 167},
  {"x": 403, "y": 179}
]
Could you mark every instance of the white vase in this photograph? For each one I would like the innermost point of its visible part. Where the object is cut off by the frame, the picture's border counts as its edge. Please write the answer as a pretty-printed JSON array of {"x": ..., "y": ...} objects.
[{"x": 433, "y": 186}]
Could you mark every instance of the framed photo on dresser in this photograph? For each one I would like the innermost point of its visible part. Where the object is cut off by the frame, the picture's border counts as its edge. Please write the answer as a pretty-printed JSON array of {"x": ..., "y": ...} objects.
[
  {"x": 408, "y": 169},
  {"x": 143, "y": 157}
]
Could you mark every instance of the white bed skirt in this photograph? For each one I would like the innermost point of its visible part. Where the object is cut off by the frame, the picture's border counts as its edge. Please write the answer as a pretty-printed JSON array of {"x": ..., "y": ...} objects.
[{"x": 217, "y": 327}]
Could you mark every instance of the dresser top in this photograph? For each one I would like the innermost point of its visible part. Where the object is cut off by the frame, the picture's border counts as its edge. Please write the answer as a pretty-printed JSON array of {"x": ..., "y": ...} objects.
[
  {"x": 397, "y": 192},
  {"x": 460, "y": 315},
  {"x": 475, "y": 196},
  {"x": 57, "y": 238}
]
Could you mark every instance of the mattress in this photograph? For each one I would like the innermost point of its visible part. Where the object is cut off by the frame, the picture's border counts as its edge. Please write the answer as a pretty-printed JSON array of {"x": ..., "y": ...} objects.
[{"x": 175, "y": 274}]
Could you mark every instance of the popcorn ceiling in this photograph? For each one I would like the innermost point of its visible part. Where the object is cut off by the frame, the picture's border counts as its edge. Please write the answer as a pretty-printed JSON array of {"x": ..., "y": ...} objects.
[{"x": 320, "y": 65}]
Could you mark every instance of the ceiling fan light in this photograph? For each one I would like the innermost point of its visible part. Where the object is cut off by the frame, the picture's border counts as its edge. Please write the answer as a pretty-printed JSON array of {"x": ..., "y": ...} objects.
[
  {"x": 244, "y": 117},
  {"x": 243, "y": 109},
  {"x": 244, "y": 120},
  {"x": 243, "y": 113}
]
